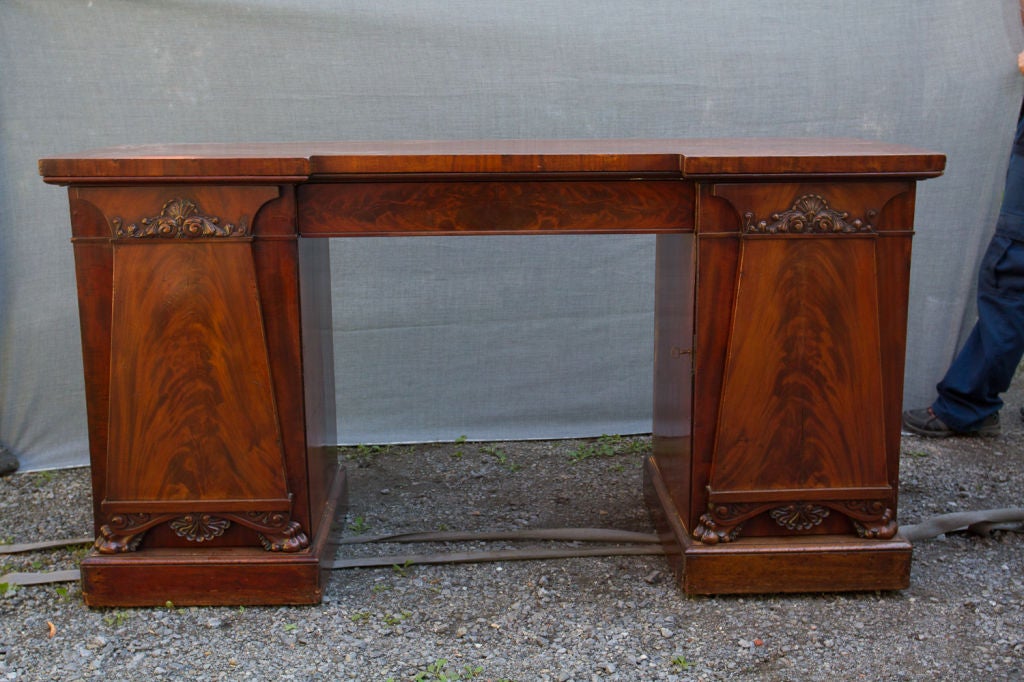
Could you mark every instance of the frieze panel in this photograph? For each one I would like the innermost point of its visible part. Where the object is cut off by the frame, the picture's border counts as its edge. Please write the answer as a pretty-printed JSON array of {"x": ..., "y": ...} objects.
[
  {"x": 810, "y": 214},
  {"x": 179, "y": 219}
]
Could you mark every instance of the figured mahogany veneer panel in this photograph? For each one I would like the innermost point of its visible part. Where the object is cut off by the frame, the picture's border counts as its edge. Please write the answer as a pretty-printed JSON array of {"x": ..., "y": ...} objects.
[
  {"x": 192, "y": 413},
  {"x": 801, "y": 405},
  {"x": 347, "y": 209}
]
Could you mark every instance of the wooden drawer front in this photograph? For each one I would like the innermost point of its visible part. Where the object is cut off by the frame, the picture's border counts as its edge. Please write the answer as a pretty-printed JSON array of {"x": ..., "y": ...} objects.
[{"x": 495, "y": 207}]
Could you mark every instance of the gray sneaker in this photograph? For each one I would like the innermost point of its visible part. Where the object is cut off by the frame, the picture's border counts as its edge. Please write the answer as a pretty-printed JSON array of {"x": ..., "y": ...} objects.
[{"x": 923, "y": 422}]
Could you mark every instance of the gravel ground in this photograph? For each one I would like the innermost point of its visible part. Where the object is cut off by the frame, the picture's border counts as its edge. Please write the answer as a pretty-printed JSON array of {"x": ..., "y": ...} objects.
[{"x": 617, "y": 618}]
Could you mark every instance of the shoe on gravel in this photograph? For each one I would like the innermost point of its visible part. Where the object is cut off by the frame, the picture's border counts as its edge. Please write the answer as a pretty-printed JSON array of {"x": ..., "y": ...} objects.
[{"x": 923, "y": 422}]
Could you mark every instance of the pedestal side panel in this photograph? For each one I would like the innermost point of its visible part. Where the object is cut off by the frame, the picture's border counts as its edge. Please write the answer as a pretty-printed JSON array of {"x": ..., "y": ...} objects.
[
  {"x": 673, "y": 363},
  {"x": 801, "y": 409},
  {"x": 192, "y": 414}
]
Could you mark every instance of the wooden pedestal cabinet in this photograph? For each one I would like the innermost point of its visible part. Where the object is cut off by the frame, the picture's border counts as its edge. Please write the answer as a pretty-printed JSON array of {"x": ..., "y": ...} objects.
[{"x": 778, "y": 471}]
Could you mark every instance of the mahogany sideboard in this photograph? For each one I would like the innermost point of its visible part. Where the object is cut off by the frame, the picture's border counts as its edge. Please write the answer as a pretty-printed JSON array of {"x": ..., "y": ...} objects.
[{"x": 782, "y": 273}]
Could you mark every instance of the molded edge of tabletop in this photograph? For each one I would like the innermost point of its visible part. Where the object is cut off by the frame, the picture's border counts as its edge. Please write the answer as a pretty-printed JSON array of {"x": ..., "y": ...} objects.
[
  {"x": 806, "y": 156},
  {"x": 300, "y": 161}
]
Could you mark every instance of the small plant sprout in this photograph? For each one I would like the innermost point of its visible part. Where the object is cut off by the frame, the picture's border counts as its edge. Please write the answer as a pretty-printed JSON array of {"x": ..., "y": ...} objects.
[
  {"x": 402, "y": 570},
  {"x": 358, "y": 525}
]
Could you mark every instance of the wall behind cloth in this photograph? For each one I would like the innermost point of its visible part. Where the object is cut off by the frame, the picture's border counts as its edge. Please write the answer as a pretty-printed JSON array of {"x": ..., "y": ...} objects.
[{"x": 491, "y": 337}]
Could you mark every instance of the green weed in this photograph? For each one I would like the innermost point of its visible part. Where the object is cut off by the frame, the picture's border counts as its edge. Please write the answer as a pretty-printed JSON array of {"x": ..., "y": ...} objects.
[
  {"x": 459, "y": 442},
  {"x": 117, "y": 618},
  {"x": 364, "y": 455},
  {"x": 402, "y": 570},
  {"x": 501, "y": 456},
  {"x": 438, "y": 670},
  {"x": 608, "y": 446},
  {"x": 393, "y": 619},
  {"x": 358, "y": 525}
]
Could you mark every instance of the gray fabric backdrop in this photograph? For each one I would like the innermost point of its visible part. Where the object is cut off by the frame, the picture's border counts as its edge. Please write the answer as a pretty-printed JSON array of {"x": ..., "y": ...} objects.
[{"x": 492, "y": 337}]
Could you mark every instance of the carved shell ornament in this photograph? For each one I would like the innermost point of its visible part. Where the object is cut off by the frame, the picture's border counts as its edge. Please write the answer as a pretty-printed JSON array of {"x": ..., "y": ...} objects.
[
  {"x": 800, "y": 516},
  {"x": 810, "y": 214},
  {"x": 199, "y": 527},
  {"x": 179, "y": 218}
]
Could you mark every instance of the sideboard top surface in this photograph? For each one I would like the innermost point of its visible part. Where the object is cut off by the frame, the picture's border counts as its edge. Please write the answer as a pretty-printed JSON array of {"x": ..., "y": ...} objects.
[{"x": 301, "y": 161}]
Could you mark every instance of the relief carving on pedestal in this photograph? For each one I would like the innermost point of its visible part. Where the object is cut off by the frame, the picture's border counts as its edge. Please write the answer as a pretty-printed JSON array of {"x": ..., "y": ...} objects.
[
  {"x": 723, "y": 521},
  {"x": 199, "y": 527},
  {"x": 871, "y": 518},
  {"x": 275, "y": 529},
  {"x": 799, "y": 516},
  {"x": 810, "y": 214},
  {"x": 179, "y": 218},
  {"x": 124, "y": 532}
]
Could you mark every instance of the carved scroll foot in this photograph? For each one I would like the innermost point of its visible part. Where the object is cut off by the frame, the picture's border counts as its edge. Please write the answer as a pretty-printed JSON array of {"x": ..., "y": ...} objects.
[
  {"x": 112, "y": 542},
  {"x": 125, "y": 532},
  {"x": 711, "y": 533},
  {"x": 871, "y": 518},
  {"x": 723, "y": 522},
  {"x": 276, "y": 530},
  {"x": 291, "y": 539}
]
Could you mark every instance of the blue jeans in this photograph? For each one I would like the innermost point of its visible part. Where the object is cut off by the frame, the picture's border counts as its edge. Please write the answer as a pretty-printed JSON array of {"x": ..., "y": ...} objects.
[{"x": 984, "y": 367}]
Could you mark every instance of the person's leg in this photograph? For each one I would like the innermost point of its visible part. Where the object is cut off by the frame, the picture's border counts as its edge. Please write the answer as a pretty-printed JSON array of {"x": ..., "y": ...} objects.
[
  {"x": 969, "y": 399},
  {"x": 969, "y": 394}
]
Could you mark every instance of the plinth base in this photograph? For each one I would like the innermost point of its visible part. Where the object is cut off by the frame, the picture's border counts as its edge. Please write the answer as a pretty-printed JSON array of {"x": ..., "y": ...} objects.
[
  {"x": 762, "y": 565},
  {"x": 224, "y": 576}
]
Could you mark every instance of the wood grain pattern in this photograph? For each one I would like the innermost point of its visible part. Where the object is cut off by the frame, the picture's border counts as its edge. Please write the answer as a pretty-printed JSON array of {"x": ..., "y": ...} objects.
[
  {"x": 94, "y": 267},
  {"x": 192, "y": 413},
  {"x": 694, "y": 158},
  {"x": 715, "y": 289},
  {"x": 350, "y": 209},
  {"x": 672, "y": 418},
  {"x": 801, "y": 401}
]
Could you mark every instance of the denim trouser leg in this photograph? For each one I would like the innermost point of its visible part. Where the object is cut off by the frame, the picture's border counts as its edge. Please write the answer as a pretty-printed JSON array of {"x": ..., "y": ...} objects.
[
  {"x": 984, "y": 368},
  {"x": 969, "y": 393}
]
